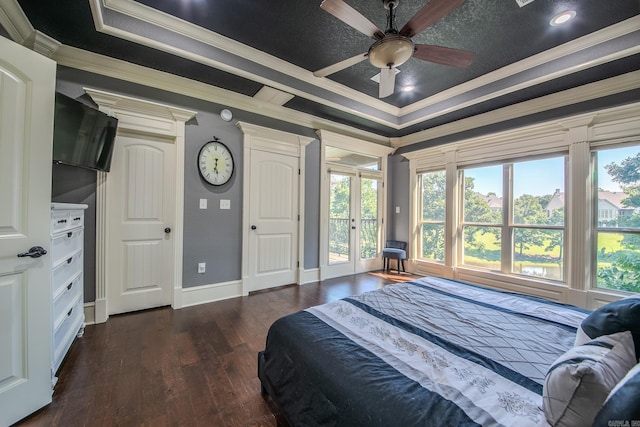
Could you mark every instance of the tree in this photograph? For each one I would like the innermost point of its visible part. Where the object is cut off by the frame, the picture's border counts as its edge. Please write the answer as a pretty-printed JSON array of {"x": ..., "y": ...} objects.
[
  {"x": 433, "y": 209},
  {"x": 624, "y": 273},
  {"x": 528, "y": 210}
]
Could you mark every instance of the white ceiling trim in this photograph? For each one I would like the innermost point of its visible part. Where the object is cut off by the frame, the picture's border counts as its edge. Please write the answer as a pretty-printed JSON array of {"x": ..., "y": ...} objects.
[
  {"x": 547, "y": 77},
  {"x": 155, "y": 17},
  {"x": 13, "y": 19},
  {"x": 606, "y": 34},
  {"x": 103, "y": 65},
  {"x": 611, "y": 86}
]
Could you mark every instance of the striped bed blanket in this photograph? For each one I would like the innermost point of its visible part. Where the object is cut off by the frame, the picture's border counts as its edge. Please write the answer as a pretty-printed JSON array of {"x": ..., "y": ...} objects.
[{"x": 427, "y": 352}]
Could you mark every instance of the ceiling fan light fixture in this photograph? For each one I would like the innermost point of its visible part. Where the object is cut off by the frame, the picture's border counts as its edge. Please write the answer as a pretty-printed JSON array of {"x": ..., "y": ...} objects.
[{"x": 392, "y": 50}]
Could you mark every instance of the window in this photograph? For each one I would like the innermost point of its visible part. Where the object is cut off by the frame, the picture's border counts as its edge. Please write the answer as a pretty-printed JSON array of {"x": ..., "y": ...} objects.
[
  {"x": 432, "y": 209},
  {"x": 617, "y": 205},
  {"x": 482, "y": 217},
  {"x": 533, "y": 227},
  {"x": 538, "y": 217}
]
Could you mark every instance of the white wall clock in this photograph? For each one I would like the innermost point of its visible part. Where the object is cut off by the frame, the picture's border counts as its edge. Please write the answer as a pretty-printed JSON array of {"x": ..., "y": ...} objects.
[{"x": 215, "y": 162}]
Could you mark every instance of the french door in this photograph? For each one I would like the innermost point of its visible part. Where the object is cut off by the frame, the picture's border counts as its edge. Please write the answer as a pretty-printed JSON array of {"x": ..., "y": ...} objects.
[{"x": 354, "y": 222}]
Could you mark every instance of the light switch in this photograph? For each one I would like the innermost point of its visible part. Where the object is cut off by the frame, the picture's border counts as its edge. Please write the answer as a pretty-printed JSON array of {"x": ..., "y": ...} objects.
[
  {"x": 397, "y": 209},
  {"x": 203, "y": 203},
  {"x": 202, "y": 267},
  {"x": 225, "y": 204}
]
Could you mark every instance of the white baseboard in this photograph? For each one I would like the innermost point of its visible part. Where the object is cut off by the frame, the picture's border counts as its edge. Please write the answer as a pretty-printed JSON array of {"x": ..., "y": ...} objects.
[
  {"x": 89, "y": 313},
  {"x": 209, "y": 293},
  {"x": 309, "y": 276}
]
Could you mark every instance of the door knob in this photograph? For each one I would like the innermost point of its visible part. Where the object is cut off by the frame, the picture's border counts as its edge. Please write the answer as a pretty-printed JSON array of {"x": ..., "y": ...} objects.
[
  {"x": 253, "y": 227},
  {"x": 34, "y": 252},
  {"x": 167, "y": 230}
]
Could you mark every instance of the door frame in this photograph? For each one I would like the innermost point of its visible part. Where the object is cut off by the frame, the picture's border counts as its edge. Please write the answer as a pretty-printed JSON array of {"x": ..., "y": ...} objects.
[
  {"x": 275, "y": 141},
  {"x": 148, "y": 118},
  {"x": 332, "y": 139}
]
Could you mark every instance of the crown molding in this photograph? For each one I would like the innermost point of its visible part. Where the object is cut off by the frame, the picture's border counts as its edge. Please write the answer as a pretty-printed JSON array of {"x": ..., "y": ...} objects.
[
  {"x": 13, "y": 19},
  {"x": 576, "y": 95},
  {"x": 178, "y": 26},
  {"x": 167, "y": 22},
  {"x": 614, "y": 31},
  {"x": 102, "y": 65}
]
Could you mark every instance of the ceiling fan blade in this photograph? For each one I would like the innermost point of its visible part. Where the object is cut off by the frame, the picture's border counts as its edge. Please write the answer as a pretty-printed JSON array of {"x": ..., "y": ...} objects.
[
  {"x": 443, "y": 55},
  {"x": 352, "y": 17},
  {"x": 387, "y": 82},
  {"x": 339, "y": 66},
  {"x": 429, "y": 14}
]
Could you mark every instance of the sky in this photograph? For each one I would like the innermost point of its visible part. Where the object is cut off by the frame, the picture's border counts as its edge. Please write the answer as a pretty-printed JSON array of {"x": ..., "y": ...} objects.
[{"x": 543, "y": 177}]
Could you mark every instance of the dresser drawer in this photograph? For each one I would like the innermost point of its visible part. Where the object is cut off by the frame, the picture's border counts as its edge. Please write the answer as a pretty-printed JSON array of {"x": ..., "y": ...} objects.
[
  {"x": 65, "y": 299},
  {"x": 64, "y": 272},
  {"x": 76, "y": 218},
  {"x": 66, "y": 331},
  {"x": 59, "y": 220},
  {"x": 66, "y": 244}
]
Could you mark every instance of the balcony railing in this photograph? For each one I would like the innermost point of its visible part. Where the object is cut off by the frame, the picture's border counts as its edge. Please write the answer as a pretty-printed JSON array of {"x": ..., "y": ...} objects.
[{"x": 339, "y": 237}]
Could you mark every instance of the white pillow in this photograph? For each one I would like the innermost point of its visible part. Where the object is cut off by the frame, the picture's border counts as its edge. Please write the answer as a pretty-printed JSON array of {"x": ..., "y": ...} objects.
[
  {"x": 580, "y": 380},
  {"x": 623, "y": 403}
]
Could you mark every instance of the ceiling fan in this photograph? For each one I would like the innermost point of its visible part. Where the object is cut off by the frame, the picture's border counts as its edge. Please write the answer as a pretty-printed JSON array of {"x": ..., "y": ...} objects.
[{"x": 392, "y": 47}]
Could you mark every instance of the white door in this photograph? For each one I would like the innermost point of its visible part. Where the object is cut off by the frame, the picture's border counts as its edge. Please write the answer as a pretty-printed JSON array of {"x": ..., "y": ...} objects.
[
  {"x": 141, "y": 212},
  {"x": 27, "y": 85},
  {"x": 355, "y": 224},
  {"x": 273, "y": 215}
]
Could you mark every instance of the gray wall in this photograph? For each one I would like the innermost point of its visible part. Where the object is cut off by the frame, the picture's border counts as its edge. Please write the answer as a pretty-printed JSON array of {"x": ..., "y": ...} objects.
[
  {"x": 76, "y": 185},
  {"x": 398, "y": 196},
  {"x": 212, "y": 236}
]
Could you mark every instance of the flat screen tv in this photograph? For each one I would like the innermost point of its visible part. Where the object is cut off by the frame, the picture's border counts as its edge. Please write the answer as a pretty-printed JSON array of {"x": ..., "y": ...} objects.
[{"x": 82, "y": 136}]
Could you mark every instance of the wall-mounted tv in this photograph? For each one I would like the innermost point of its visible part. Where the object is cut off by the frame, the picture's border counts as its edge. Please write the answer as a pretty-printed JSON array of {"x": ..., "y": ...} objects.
[{"x": 82, "y": 136}]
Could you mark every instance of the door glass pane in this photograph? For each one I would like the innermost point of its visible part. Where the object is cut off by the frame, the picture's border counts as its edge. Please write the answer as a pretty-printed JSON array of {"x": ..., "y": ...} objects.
[
  {"x": 352, "y": 159},
  {"x": 339, "y": 213},
  {"x": 368, "y": 218}
]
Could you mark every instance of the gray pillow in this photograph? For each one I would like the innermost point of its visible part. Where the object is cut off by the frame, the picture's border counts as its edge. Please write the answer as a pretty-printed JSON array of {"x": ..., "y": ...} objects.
[
  {"x": 623, "y": 403},
  {"x": 580, "y": 380},
  {"x": 617, "y": 316}
]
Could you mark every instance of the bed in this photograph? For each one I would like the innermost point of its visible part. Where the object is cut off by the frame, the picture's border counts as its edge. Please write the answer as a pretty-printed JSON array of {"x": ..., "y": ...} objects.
[{"x": 427, "y": 352}]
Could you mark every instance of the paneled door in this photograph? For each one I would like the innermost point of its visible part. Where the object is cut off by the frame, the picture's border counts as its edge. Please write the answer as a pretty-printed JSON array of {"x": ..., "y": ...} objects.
[
  {"x": 140, "y": 196},
  {"x": 273, "y": 241},
  {"x": 27, "y": 85}
]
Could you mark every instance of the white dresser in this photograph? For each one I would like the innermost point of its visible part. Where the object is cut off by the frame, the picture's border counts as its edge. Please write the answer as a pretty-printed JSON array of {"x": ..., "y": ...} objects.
[{"x": 67, "y": 296}]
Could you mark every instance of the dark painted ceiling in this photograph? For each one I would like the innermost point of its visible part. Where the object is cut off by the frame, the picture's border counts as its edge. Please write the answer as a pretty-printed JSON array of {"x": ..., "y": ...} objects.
[{"x": 499, "y": 32}]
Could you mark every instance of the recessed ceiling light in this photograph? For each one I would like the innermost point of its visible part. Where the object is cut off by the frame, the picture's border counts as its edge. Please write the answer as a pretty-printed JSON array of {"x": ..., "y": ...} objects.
[
  {"x": 408, "y": 88},
  {"x": 562, "y": 17}
]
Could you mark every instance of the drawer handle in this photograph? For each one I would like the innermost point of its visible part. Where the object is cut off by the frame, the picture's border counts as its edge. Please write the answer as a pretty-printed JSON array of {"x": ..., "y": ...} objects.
[
  {"x": 70, "y": 311},
  {"x": 69, "y": 234},
  {"x": 62, "y": 221},
  {"x": 69, "y": 260},
  {"x": 70, "y": 286},
  {"x": 77, "y": 218}
]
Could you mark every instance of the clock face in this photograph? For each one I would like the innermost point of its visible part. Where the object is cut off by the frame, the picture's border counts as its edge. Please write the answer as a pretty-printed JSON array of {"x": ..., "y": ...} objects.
[{"x": 215, "y": 163}]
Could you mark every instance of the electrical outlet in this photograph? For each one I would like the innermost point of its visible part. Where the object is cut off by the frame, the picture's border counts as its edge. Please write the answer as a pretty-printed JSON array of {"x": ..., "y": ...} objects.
[
  {"x": 203, "y": 203},
  {"x": 225, "y": 204},
  {"x": 202, "y": 267}
]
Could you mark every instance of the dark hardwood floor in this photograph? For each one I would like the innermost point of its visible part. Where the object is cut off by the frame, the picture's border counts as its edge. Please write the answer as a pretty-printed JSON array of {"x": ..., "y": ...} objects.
[{"x": 190, "y": 367}]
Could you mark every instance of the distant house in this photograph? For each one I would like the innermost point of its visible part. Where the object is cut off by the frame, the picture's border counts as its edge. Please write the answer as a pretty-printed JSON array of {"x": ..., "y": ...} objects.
[
  {"x": 610, "y": 205},
  {"x": 494, "y": 202}
]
